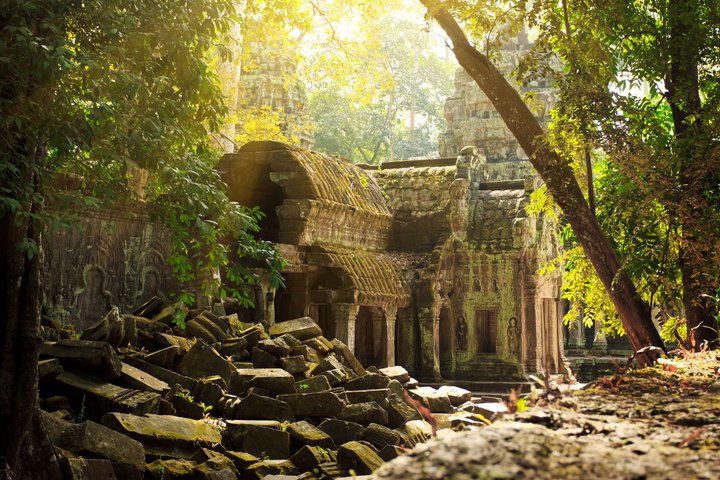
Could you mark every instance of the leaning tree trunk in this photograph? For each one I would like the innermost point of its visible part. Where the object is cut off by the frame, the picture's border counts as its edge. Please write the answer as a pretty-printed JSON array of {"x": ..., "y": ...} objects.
[
  {"x": 560, "y": 180},
  {"x": 23, "y": 449}
]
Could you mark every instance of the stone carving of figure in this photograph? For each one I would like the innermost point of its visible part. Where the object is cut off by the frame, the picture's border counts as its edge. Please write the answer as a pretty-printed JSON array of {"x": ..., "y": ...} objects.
[
  {"x": 461, "y": 333},
  {"x": 513, "y": 336}
]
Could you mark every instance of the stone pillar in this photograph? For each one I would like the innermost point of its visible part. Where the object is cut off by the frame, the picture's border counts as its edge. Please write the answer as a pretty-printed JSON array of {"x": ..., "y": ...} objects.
[
  {"x": 600, "y": 344},
  {"x": 390, "y": 320},
  {"x": 344, "y": 316},
  {"x": 529, "y": 334},
  {"x": 429, "y": 321}
]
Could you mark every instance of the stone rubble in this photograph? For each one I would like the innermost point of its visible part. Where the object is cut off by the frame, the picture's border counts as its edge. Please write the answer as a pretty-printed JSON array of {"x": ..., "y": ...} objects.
[{"x": 137, "y": 397}]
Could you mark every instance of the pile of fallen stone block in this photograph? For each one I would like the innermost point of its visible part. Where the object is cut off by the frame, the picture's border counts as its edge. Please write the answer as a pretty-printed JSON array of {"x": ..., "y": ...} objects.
[{"x": 135, "y": 396}]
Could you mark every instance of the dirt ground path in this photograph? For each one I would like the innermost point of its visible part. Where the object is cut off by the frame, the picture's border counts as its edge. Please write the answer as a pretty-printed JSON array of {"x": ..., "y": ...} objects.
[{"x": 656, "y": 423}]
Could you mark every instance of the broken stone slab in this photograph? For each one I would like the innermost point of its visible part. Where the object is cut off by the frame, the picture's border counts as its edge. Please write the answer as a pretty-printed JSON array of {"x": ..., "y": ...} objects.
[
  {"x": 315, "y": 404},
  {"x": 435, "y": 401},
  {"x": 300, "y": 328},
  {"x": 97, "y": 397},
  {"x": 207, "y": 327},
  {"x": 294, "y": 365},
  {"x": 163, "y": 374},
  {"x": 262, "y": 439},
  {"x": 318, "y": 383},
  {"x": 172, "y": 314},
  {"x": 57, "y": 402},
  {"x": 319, "y": 344},
  {"x": 48, "y": 369},
  {"x": 360, "y": 457},
  {"x": 87, "y": 469},
  {"x": 217, "y": 467},
  {"x": 122, "y": 330},
  {"x": 167, "y": 340},
  {"x": 171, "y": 469},
  {"x": 362, "y": 396},
  {"x": 396, "y": 387},
  {"x": 165, "y": 435},
  {"x": 309, "y": 354},
  {"x": 242, "y": 460},
  {"x": 254, "y": 407},
  {"x": 369, "y": 381},
  {"x": 364, "y": 413},
  {"x": 396, "y": 373},
  {"x": 54, "y": 425},
  {"x": 267, "y": 468},
  {"x": 95, "y": 358},
  {"x": 399, "y": 411},
  {"x": 150, "y": 308},
  {"x": 165, "y": 357},
  {"x": 456, "y": 395},
  {"x": 262, "y": 359},
  {"x": 462, "y": 419},
  {"x": 334, "y": 377},
  {"x": 414, "y": 432},
  {"x": 341, "y": 349},
  {"x": 274, "y": 380},
  {"x": 380, "y": 436},
  {"x": 304, "y": 433},
  {"x": 276, "y": 347},
  {"x": 91, "y": 439},
  {"x": 253, "y": 335},
  {"x": 342, "y": 431},
  {"x": 331, "y": 362},
  {"x": 136, "y": 378},
  {"x": 330, "y": 470},
  {"x": 203, "y": 361},
  {"x": 390, "y": 452},
  {"x": 235, "y": 348},
  {"x": 184, "y": 405},
  {"x": 488, "y": 410},
  {"x": 111, "y": 329},
  {"x": 290, "y": 340},
  {"x": 309, "y": 457}
]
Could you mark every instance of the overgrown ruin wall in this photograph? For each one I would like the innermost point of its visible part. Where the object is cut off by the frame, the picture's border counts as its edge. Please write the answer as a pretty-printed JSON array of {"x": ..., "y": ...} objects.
[
  {"x": 444, "y": 281},
  {"x": 106, "y": 258}
]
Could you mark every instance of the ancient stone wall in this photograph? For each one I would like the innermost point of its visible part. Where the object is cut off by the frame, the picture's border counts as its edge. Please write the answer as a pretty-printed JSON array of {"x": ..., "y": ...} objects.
[
  {"x": 473, "y": 121},
  {"x": 419, "y": 198},
  {"x": 109, "y": 257}
]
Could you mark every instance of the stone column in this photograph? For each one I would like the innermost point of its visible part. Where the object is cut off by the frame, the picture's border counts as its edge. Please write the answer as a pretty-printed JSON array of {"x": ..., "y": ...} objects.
[
  {"x": 600, "y": 344},
  {"x": 429, "y": 321},
  {"x": 390, "y": 320},
  {"x": 344, "y": 316}
]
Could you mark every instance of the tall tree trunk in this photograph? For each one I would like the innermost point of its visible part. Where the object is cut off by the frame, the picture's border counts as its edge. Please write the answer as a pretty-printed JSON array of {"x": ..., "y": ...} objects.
[
  {"x": 560, "y": 180},
  {"x": 22, "y": 449},
  {"x": 691, "y": 138}
]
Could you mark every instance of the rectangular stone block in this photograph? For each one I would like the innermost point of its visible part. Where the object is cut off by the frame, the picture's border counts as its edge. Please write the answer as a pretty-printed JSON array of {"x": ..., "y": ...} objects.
[
  {"x": 300, "y": 328},
  {"x": 317, "y": 404},
  {"x": 136, "y": 378},
  {"x": 91, "y": 439},
  {"x": 166, "y": 435},
  {"x": 95, "y": 358},
  {"x": 274, "y": 380},
  {"x": 359, "y": 396},
  {"x": 100, "y": 397}
]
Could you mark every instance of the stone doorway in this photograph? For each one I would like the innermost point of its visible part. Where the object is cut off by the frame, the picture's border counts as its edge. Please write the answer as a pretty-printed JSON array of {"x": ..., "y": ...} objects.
[
  {"x": 486, "y": 330},
  {"x": 445, "y": 326},
  {"x": 371, "y": 337}
]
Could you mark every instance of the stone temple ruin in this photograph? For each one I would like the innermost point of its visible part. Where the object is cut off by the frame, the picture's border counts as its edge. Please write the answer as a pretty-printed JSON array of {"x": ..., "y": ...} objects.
[{"x": 429, "y": 264}]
